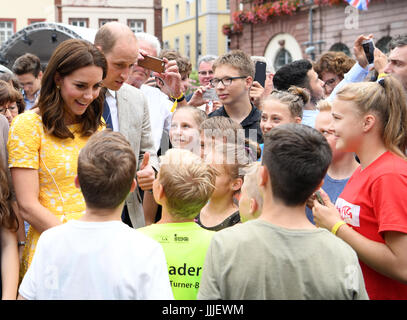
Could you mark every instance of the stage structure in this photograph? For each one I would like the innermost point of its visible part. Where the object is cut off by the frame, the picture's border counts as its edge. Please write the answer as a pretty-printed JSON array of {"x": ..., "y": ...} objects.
[{"x": 41, "y": 39}]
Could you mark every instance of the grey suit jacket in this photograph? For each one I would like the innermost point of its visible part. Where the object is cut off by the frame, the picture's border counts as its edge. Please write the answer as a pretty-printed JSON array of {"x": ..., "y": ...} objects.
[{"x": 134, "y": 124}]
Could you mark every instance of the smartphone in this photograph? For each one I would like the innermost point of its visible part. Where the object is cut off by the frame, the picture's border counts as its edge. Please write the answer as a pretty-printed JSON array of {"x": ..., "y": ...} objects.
[
  {"x": 368, "y": 47},
  {"x": 152, "y": 63},
  {"x": 210, "y": 94},
  {"x": 319, "y": 198},
  {"x": 260, "y": 75}
]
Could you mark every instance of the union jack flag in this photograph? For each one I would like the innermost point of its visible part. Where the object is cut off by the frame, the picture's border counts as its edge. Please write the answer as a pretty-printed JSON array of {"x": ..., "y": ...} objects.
[{"x": 359, "y": 4}]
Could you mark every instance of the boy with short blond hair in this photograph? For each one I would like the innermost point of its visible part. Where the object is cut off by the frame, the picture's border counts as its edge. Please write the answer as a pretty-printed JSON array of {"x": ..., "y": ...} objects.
[
  {"x": 98, "y": 256},
  {"x": 251, "y": 199},
  {"x": 183, "y": 186}
]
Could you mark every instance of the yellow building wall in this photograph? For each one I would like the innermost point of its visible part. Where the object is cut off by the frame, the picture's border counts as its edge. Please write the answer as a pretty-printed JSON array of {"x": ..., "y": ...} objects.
[
  {"x": 222, "y": 19},
  {"x": 186, "y": 26}
]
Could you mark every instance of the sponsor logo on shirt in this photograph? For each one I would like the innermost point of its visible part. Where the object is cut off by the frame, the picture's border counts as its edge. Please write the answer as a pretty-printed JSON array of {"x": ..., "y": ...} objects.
[
  {"x": 349, "y": 212},
  {"x": 163, "y": 239},
  {"x": 180, "y": 239}
]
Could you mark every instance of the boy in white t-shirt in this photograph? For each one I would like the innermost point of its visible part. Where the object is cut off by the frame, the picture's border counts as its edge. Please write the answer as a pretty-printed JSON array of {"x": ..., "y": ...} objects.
[{"x": 98, "y": 256}]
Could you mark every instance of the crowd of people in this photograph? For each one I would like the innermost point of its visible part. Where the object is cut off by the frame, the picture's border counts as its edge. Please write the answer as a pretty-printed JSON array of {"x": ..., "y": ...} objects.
[{"x": 119, "y": 182}]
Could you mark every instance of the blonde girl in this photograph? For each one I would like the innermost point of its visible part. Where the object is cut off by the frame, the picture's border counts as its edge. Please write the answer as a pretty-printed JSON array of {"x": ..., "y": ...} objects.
[{"x": 370, "y": 119}]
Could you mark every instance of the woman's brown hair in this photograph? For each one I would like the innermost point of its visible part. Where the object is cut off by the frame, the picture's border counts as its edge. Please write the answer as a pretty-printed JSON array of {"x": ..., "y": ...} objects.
[
  {"x": 8, "y": 218},
  {"x": 387, "y": 99},
  {"x": 68, "y": 57},
  {"x": 336, "y": 62},
  {"x": 9, "y": 94}
]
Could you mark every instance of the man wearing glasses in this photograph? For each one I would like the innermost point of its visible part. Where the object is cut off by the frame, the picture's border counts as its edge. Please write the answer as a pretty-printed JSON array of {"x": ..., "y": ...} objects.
[
  {"x": 205, "y": 71},
  {"x": 233, "y": 77},
  {"x": 331, "y": 68},
  {"x": 205, "y": 74},
  {"x": 9, "y": 100}
]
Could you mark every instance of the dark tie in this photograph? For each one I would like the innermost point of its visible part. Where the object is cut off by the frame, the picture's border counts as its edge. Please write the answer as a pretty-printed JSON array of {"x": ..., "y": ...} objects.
[{"x": 106, "y": 116}]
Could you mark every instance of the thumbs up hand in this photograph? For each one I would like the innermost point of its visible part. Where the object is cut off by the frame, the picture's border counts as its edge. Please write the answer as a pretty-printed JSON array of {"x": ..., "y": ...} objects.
[
  {"x": 145, "y": 174},
  {"x": 146, "y": 160}
]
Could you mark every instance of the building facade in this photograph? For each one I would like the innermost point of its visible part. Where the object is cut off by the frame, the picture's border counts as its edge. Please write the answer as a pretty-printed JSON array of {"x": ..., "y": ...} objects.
[
  {"x": 284, "y": 36},
  {"x": 19, "y": 14},
  {"x": 179, "y": 27},
  {"x": 139, "y": 15}
]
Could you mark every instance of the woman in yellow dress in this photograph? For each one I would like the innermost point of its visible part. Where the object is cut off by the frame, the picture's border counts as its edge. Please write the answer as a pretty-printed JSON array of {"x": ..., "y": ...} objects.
[{"x": 44, "y": 143}]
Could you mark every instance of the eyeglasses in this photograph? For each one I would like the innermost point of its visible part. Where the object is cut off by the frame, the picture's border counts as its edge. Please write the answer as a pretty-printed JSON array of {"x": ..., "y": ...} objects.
[
  {"x": 204, "y": 73},
  {"x": 11, "y": 108},
  {"x": 225, "y": 81}
]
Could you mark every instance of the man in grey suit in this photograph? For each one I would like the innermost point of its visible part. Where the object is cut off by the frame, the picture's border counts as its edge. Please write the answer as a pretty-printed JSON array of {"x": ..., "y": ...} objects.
[{"x": 126, "y": 109}]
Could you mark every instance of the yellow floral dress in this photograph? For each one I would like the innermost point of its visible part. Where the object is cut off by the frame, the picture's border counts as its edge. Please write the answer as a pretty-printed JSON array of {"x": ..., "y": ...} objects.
[{"x": 56, "y": 161}]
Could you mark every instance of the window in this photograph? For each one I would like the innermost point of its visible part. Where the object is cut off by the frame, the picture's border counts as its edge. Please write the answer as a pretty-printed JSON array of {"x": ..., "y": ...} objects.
[
  {"x": 187, "y": 8},
  {"x": 166, "y": 16},
  {"x": 227, "y": 4},
  {"x": 176, "y": 45},
  {"x": 228, "y": 43},
  {"x": 199, "y": 44},
  {"x": 79, "y": 22},
  {"x": 283, "y": 57},
  {"x": 188, "y": 46},
  {"x": 339, "y": 46},
  {"x": 176, "y": 12},
  {"x": 103, "y": 21},
  {"x": 137, "y": 25},
  {"x": 7, "y": 28},
  {"x": 166, "y": 45}
]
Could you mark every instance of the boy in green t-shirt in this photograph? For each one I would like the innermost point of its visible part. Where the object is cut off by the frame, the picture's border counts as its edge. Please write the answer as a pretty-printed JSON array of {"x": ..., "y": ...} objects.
[{"x": 183, "y": 186}]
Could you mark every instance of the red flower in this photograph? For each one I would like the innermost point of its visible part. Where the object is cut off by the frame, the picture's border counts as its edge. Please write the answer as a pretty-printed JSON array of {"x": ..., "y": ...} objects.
[
  {"x": 251, "y": 17},
  {"x": 263, "y": 11}
]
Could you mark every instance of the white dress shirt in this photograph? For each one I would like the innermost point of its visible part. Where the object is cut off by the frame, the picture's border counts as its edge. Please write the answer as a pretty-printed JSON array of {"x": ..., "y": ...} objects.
[
  {"x": 112, "y": 102},
  {"x": 159, "y": 107}
]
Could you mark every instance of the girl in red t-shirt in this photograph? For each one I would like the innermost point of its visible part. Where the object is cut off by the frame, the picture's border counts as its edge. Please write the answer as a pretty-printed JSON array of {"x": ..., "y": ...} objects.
[{"x": 370, "y": 119}]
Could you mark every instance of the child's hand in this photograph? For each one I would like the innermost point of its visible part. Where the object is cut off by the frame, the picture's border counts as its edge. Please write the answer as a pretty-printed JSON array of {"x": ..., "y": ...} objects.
[
  {"x": 310, "y": 201},
  {"x": 146, "y": 174},
  {"x": 325, "y": 216}
]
